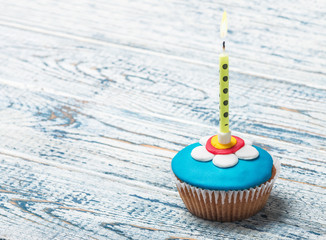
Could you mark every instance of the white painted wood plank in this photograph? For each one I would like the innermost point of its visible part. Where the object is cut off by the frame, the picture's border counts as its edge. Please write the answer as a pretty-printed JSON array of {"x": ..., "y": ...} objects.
[
  {"x": 60, "y": 203},
  {"x": 91, "y": 122},
  {"x": 267, "y": 40},
  {"x": 128, "y": 88}
]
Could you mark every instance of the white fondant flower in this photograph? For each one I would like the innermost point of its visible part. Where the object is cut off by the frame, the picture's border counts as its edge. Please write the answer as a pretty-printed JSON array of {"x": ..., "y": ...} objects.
[{"x": 247, "y": 152}]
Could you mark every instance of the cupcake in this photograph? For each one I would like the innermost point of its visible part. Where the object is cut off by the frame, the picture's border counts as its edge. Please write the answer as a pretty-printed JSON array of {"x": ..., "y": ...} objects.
[
  {"x": 224, "y": 177},
  {"x": 223, "y": 183}
]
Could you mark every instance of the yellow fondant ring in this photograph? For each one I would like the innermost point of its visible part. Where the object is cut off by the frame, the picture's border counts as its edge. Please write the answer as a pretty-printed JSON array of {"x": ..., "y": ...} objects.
[{"x": 218, "y": 145}]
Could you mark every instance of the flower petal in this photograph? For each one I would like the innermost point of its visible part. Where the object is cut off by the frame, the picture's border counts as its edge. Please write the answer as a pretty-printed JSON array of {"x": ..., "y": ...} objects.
[
  {"x": 247, "y": 152},
  {"x": 204, "y": 140},
  {"x": 225, "y": 160},
  {"x": 248, "y": 142},
  {"x": 201, "y": 154}
]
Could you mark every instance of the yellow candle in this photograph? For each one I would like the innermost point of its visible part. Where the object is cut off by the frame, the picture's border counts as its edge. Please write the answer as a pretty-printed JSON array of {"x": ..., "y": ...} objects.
[
  {"x": 224, "y": 92},
  {"x": 224, "y": 81}
]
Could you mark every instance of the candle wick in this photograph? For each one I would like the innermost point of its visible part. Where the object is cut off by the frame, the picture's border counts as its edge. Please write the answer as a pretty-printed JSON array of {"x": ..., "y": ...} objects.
[{"x": 223, "y": 45}]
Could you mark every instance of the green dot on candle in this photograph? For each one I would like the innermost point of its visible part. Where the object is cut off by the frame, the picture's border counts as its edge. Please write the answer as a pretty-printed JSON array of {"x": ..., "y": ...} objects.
[
  {"x": 225, "y": 102},
  {"x": 225, "y": 90},
  {"x": 225, "y": 66},
  {"x": 226, "y": 114},
  {"x": 225, "y": 78}
]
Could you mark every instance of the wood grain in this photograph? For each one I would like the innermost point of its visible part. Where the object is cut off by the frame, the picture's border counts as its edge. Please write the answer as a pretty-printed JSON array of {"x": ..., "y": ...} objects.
[{"x": 96, "y": 98}]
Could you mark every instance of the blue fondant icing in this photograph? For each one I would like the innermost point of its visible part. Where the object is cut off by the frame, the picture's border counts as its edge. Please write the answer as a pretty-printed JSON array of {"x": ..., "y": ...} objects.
[{"x": 244, "y": 175}]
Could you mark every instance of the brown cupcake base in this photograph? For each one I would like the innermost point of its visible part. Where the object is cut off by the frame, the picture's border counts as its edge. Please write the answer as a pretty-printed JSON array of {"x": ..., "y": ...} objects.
[{"x": 226, "y": 206}]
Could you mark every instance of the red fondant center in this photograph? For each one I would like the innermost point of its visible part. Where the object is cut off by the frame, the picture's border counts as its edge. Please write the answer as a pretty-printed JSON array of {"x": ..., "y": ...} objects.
[{"x": 216, "y": 151}]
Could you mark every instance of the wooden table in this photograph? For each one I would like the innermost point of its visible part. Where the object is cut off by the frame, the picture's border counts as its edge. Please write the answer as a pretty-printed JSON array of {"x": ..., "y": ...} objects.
[{"x": 98, "y": 96}]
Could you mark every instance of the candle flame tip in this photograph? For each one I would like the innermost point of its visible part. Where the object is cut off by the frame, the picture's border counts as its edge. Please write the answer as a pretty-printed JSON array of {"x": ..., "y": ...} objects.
[{"x": 223, "y": 26}]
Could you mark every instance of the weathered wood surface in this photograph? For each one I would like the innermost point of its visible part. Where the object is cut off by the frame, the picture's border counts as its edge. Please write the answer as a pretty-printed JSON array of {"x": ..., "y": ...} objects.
[{"x": 97, "y": 97}]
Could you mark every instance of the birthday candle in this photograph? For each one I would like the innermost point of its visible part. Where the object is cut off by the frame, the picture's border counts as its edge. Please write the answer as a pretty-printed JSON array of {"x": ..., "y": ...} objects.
[{"x": 224, "y": 81}]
